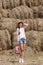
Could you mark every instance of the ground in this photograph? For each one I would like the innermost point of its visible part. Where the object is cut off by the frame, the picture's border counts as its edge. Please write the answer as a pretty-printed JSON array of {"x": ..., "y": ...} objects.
[{"x": 10, "y": 58}]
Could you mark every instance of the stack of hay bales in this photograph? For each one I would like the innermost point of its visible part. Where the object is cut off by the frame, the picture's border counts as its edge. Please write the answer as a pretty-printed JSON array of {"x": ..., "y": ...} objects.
[
  {"x": 27, "y": 11},
  {"x": 21, "y": 12},
  {"x": 6, "y": 4},
  {"x": 10, "y": 24}
]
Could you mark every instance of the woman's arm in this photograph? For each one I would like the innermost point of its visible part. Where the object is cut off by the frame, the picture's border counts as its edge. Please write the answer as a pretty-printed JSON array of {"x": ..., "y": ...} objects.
[{"x": 25, "y": 25}]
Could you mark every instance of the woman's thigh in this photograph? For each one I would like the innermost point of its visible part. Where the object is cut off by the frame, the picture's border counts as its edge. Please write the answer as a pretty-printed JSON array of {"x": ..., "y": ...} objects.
[{"x": 22, "y": 47}]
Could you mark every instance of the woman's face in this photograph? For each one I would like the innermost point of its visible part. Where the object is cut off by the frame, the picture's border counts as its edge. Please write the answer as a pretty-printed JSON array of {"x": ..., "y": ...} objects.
[{"x": 21, "y": 25}]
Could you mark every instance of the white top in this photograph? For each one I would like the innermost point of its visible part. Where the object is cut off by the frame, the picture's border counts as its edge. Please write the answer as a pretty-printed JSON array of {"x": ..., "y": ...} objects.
[{"x": 22, "y": 33}]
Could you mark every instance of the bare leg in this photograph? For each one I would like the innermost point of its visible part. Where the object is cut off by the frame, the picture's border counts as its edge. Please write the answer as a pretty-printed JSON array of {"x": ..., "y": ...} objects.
[{"x": 22, "y": 50}]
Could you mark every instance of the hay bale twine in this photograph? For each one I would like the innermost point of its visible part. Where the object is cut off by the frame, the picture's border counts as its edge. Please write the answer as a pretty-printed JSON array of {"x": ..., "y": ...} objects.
[
  {"x": 33, "y": 40},
  {"x": 4, "y": 4},
  {"x": 5, "y": 41}
]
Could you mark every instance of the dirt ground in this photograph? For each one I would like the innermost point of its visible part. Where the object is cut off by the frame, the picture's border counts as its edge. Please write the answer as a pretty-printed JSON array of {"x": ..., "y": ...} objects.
[{"x": 10, "y": 58}]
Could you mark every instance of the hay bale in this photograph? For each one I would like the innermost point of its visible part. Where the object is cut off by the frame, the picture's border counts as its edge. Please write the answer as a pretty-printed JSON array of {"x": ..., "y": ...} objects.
[
  {"x": 7, "y": 4},
  {"x": 0, "y": 4},
  {"x": 31, "y": 24},
  {"x": 35, "y": 12},
  {"x": 33, "y": 40},
  {"x": 40, "y": 24},
  {"x": 5, "y": 41},
  {"x": 9, "y": 24},
  {"x": 30, "y": 12},
  {"x": 11, "y": 3},
  {"x": 4, "y": 4},
  {"x": 41, "y": 38},
  {"x": 41, "y": 11},
  {"x": 16, "y": 13},
  {"x": 6, "y": 13},
  {"x": 41, "y": 2},
  {"x": 23, "y": 2},
  {"x": 34, "y": 2},
  {"x": 21, "y": 12},
  {"x": 28, "y": 3},
  {"x": 6, "y": 24},
  {"x": 24, "y": 11},
  {"x": 16, "y": 3},
  {"x": 10, "y": 14},
  {"x": 0, "y": 16},
  {"x": 35, "y": 27},
  {"x": 14, "y": 39}
]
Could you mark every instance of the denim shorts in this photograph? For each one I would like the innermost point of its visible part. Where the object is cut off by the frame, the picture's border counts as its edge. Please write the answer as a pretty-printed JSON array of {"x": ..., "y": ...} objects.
[{"x": 22, "y": 41}]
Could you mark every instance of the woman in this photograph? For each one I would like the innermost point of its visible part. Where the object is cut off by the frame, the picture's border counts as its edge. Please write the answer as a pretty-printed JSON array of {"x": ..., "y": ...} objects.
[{"x": 21, "y": 38}]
